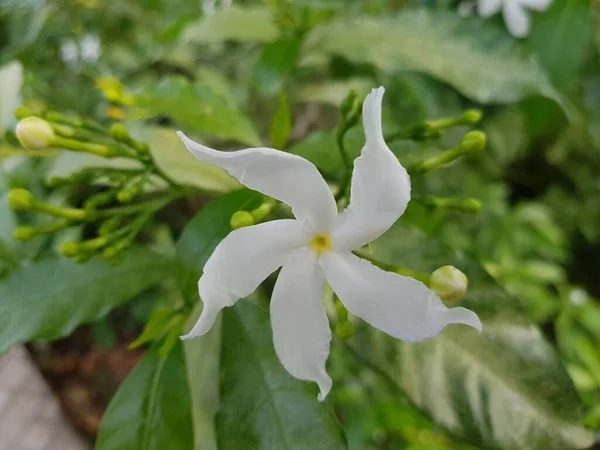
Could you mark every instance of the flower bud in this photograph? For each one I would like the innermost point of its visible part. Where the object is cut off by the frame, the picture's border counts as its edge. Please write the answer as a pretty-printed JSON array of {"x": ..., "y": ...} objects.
[
  {"x": 449, "y": 283},
  {"x": 473, "y": 142},
  {"x": 22, "y": 112},
  {"x": 20, "y": 199},
  {"x": 69, "y": 249},
  {"x": 471, "y": 116},
  {"x": 344, "y": 330},
  {"x": 24, "y": 233},
  {"x": 119, "y": 132},
  {"x": 34, "y": 133},
  {"x": 241, "y": 219}
]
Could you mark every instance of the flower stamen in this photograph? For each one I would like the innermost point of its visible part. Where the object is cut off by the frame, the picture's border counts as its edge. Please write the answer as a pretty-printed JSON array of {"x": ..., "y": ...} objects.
[{"x": 321, "y": 243}]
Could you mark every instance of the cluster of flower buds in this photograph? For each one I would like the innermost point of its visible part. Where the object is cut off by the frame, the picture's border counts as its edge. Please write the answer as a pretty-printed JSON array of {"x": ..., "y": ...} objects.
[{"x": 124, "y": 199}]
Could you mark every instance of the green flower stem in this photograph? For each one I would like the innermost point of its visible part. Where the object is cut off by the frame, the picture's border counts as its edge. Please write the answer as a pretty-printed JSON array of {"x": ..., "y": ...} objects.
[
  {"x": 53, "y": 227},
  {"x": 418, "y": 132},
  {"x": 56, "y": 211},
  {"x": 422, "y": 277},
  {"x": 152, "y": 205},
  {"x": 339, "y": 138},
  {"x": 467, "y": 205},
  {"x": 437, "y": 161},
  {"x": 86, "y": 147}
]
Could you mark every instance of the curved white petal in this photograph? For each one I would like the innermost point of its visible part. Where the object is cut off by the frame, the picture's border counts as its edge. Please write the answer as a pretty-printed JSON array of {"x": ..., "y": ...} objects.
[
  {"x": 487, "y": 8},
  {"x": 283, "y": 176},
  {"x": 400, "y": 306},
  {"x": 380, "y": 185},
  {"x": 301, "y": 331},
  {"x": 241, "y": 262},
  {"x": 517, "y": 18},
  {"x": 536, "y": 5}
]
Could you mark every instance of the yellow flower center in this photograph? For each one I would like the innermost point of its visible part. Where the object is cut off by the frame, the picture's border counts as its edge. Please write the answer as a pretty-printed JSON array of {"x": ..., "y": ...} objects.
[{"x": 321, "y": 243}]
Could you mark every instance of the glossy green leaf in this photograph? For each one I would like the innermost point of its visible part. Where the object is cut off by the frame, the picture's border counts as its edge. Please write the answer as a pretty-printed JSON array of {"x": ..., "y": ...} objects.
[
  {"x": 262, "y": 406},
  {"x": 504, "y": 388},
  {"x": 478, "y": 58},
  {"x": 281, "y": 123},
  {"x": 237, "y": 23},
  {"x": 177, "y": 162},
  {"x": 198, "y": 108},
  {"x": 49, "y": 299},
  {"x": 156, "y": 326},
  {"x": 151, "y": 410},
  {"x": 559, "y": 38}
]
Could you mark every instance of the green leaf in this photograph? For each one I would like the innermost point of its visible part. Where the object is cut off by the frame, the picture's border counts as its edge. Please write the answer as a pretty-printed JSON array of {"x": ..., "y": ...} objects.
[
  {"x": 281, "y": 123},
  {"x": 243, "y": 24},
  {"x": 199, "y": 107},
  {"x": 178, "y": 163},
  {"x": 156, "y": 326},
  {"x": 262, "y": 406},
  {"x": 504, "y": 388},
  {"x": 21, "y": 21},
  {"x": 202, "y": 356},
  {"x": 276, "y": 62},
  {"x": 197, "y": 242},
  {"x": 559, "y": 38},
  {"x": 204, "y": 232},
  {"x": 151, "y": 410},
  {"x": 477, "y": 57},
  {"x": 49, "y": 299}
]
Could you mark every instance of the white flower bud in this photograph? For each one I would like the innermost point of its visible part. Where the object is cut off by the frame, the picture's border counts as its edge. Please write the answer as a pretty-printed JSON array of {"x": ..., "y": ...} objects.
[
  {"x": 449, "y": 283},
  {"x": 34, "y": 133}
]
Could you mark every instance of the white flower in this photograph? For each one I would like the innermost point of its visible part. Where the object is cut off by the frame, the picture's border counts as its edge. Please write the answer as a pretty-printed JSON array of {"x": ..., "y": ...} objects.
[
  {"x": 515, "y": 15},
  {"x": 316, "y": 248}
]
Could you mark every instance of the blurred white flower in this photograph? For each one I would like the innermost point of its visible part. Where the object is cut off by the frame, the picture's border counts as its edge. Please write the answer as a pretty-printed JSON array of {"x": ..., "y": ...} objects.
[
  {"x": 87, "y": 49},
  {"x": 208, "y": 6},
  {"x": 317, "y": 247},
  {"x": 515, "y": 13}
]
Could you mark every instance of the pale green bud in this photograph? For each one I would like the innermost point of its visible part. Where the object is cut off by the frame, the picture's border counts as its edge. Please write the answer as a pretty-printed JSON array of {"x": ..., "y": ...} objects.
[
  {"x": 472, "y": 142},
  {"x": 471, "y": 116},
  {"x": 119, "y": 132},
  {"x": 24, "y": 233},
  {"x": 70, "y": 248},
  {"x": 344, "y": 330},
  {"x": 20, "y": 199},
  {"x": 34, "y": 133},
  {"x": 449, "y": 283},
  {"x": 241, "y": 219}
]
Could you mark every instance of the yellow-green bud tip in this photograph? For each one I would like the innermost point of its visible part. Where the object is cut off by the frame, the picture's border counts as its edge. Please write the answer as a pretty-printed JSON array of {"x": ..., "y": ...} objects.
[
  {"x": 23, "y": 112},
  {"x": 471, "y": 116},
  {"x": 471, "y": 205},
  {"x": 449, "y": 283},
  {"x": 20, "y": 199},
  {"x": 241, "y": 219},
  {"x": 69, "y": 249},
  {"x": 125, "y": 196},
  {"x": 473, "y": 142},
  {"x": 24, "y": 233},
  {"x": 34, "y": 133},
  {"x": 118, "y": 132},
  {"x": 344, "y": 330}
]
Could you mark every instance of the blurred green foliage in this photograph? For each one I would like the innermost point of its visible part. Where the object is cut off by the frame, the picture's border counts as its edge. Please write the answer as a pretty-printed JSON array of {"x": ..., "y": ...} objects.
[{"x": 274, "y": 73}]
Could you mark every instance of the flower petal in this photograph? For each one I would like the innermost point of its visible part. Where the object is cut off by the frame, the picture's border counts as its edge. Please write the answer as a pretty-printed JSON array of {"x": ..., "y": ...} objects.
[
  {"x": 516, "y": 18},
  {"x": 400, "y": 306},
  {"x": 380, "y": 185},
  {"x": 536, "y": 5},
  {"x": 283, "y": 176},
  {"x": 487, "y": 8},
  {"x": 301, "y": 331},
  {"x": 241, "y": 262}
]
